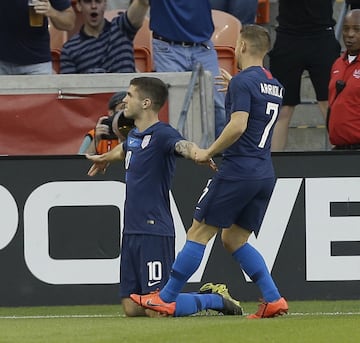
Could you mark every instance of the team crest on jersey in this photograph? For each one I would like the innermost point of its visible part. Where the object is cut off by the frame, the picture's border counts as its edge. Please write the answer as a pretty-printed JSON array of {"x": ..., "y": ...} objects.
[
  {"x": 145, "y": 142},
  {"x": 356, "y": 73}
]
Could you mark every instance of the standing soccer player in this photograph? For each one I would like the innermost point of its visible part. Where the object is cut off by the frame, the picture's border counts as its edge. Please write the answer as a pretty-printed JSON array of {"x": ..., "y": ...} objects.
[
  {"x": 148, "y": 241},
  {"x": 238, "y": 195}
]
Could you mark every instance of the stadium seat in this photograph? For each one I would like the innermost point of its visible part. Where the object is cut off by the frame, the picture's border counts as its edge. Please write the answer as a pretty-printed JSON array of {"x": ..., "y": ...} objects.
[
  {"x": 55, "y": 58},
  {"x": 143, "y": 59},
  {"x": 58, "y": 38},
  {"x": 226, "y": 32},
  {"x": 143, "y": 48},
  {"x": 263, "y": 12}
]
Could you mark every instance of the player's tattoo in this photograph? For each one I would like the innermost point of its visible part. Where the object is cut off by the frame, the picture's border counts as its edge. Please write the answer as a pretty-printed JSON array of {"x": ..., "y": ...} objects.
[{"x": 184, "y": 148}]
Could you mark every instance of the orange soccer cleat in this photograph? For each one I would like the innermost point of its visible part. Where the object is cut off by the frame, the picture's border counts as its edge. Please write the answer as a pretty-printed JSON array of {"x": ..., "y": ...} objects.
[
  {"x": 153, "y": 302},
  {"x": 270, "y": 310}
]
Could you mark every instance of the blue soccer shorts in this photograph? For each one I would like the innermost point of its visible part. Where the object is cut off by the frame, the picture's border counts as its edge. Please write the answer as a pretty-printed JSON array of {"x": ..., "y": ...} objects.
[
  {"x": 145, "y": 263},
  {"x": 240, "y": 202}
]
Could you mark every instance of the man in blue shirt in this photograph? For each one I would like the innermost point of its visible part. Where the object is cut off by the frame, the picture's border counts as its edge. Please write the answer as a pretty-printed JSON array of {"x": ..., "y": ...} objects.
[
  {"x": 102, "y": 46},
  {"x": 235, "y": 200},
  {"x": 26, "y": 49},
  {"x": 148, "y": 241},
  {"x": 244, "y": 10},
  {"x": 182, "y": 31}
]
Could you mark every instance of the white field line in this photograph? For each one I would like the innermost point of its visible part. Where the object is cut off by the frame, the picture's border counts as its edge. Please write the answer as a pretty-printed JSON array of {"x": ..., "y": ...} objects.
[
  {"x": 295, "y": 314},
  {"x": 56, "y": 316},
  {"x": 324, "y": 313}
]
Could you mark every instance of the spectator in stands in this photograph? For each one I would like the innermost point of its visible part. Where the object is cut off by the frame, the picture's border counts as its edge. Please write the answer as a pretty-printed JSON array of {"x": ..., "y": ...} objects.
[
  {"x": 344, "y": 89},
  {"x": 102, "y": 46},
  {"x": 182, "y": 31},
  {"x": 103, "y": 137},
  {"x": 305, "y": 40},
  {"x": 244, "y": 10},
  {"x": 25, "y": 48}
]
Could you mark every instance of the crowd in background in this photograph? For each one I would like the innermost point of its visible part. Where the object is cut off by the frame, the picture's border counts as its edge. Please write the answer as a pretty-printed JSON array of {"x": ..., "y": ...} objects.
[{"x": 304, "y": 41}]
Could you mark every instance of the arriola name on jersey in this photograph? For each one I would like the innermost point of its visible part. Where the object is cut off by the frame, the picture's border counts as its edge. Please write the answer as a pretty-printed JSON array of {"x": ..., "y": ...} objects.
[{"x": 274, "y": 90}]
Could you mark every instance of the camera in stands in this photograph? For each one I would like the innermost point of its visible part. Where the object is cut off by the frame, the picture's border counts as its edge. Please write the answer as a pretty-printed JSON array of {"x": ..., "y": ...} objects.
[{"x": 119, "y": 126}]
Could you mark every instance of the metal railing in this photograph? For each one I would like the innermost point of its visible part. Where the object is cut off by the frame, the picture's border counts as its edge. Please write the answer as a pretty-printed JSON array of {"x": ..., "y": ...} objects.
[{"x": 197, "y": 76}]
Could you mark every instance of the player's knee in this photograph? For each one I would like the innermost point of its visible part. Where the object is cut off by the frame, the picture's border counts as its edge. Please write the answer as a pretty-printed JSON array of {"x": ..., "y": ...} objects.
[
  {"x": 131, "y": 309},
  {"x": 234, "y": 239},
  {"x": 232, "y": 246},
  {"x": 130, "y": 312},
  {"x": 201, "y": 233}
]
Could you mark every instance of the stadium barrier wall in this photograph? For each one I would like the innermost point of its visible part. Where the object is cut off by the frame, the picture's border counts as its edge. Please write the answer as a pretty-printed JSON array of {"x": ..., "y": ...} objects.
[
  {"x": 50, "y": 114},
  {"x": 60, "y": 229}
]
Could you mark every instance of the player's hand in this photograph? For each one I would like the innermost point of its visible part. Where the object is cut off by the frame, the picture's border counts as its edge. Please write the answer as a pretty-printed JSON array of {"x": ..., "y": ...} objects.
[
  {"x": 100, "y": 164},
  {"x": 223, "y": 80},
  {"x": 213, "y": 165},
  {"x": 203, "y": 157}
]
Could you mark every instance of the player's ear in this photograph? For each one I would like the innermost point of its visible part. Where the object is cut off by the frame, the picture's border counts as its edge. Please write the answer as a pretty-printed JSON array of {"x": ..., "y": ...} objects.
[
  {"x": 146, "y": 103},
  {"x": 243, "y": 46}
]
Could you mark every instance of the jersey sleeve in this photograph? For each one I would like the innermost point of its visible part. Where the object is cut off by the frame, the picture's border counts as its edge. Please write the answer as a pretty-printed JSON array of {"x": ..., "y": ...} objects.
[{"x": 170, "y": 138}]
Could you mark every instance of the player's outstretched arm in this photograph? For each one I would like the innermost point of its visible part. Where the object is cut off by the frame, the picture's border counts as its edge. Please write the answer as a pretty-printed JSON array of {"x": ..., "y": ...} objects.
[
  {"x": 186, "y": 149},
  {"x": 101, "y": 162},
  {"x": 231, "y": 133}
]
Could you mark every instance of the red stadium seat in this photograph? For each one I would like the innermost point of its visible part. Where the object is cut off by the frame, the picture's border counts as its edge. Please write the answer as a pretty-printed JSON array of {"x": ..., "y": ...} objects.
[
  {"x": 55, "y": 57},
  {"x": 143, "y": 48},
  {"x": 226, "y": 33}
]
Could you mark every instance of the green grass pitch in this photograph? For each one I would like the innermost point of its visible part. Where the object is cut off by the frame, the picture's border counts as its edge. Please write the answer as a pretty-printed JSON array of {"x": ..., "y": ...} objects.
[{"x": 307, "y": 321}]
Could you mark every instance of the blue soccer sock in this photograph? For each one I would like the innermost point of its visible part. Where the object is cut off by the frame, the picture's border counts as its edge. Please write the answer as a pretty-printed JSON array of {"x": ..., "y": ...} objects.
[
  {"x": 254, "y": 265},
  {"x": 186, "y": 263},
  {"x": 190, "y": 303}
]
